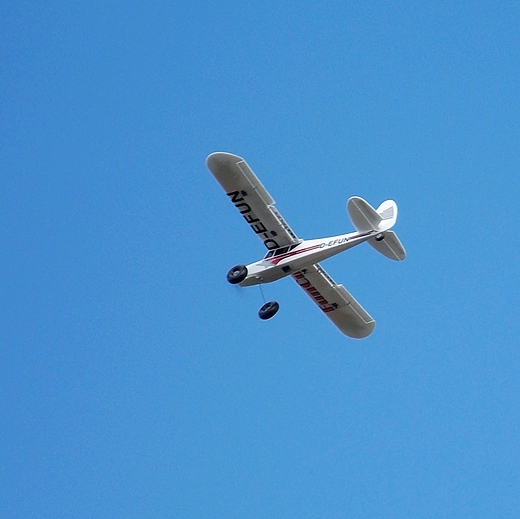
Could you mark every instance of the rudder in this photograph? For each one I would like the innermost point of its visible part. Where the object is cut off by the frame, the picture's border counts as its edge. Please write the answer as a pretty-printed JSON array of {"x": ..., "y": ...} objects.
[{"x": 388, "y": 213}]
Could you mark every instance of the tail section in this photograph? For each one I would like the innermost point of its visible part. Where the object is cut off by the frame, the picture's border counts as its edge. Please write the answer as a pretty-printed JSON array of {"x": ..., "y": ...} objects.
[{"x": 365, "y": 219}]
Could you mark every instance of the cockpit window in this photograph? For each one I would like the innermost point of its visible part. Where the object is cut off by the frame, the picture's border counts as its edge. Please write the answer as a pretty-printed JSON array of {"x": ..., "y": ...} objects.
[{"x": 281, "y": 250}]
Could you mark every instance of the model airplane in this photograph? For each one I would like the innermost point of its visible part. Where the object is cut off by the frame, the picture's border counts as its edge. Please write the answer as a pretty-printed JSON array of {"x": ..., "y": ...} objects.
[{"x": 287, "y": 255}]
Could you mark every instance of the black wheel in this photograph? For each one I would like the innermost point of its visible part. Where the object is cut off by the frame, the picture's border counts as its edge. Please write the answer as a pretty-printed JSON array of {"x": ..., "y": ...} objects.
[
  {"x": 268, "y": 310},
  {"x": 380, "y": 237},
  {"x": 237, "y": 274}
]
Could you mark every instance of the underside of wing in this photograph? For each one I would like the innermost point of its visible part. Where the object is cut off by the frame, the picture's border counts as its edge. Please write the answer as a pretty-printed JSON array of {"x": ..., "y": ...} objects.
[
  {"x": 251, "y": 198},
  {"x": 334, "y": 300}
]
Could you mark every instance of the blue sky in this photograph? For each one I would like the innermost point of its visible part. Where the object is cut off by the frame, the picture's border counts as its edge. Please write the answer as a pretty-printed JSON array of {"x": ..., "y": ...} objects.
[{"x": 135, "y": 382}]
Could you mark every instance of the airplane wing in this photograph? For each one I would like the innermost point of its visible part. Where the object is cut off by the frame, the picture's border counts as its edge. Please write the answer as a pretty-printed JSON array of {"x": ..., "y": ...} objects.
[
  {"x": 334, "y": 300},
  {"x": 251, "y": 198}
]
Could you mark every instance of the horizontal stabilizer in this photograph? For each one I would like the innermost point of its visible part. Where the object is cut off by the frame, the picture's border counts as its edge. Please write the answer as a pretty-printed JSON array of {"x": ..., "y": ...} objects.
[
  {"x": 363, "y": 215},
  {"x": 365, "y": 218},
  {"x": 389, "y": 245}
]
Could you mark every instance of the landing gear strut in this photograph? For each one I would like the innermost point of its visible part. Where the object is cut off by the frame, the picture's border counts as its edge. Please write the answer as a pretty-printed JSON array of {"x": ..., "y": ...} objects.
[{"x": 268, "y": 310}]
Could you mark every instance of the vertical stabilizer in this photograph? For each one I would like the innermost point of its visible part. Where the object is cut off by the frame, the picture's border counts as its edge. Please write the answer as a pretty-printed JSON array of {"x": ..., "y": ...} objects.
[{"x": 388, "y": 213}]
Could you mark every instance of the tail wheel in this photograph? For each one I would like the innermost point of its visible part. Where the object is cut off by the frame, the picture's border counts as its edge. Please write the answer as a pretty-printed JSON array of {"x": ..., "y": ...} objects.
[
  {"x": 237, "y": 274},
  {"x": 268, "y": 310}
]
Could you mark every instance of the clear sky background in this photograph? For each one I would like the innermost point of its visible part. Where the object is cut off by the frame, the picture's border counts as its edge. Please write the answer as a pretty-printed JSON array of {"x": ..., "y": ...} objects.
[{"x": 135, "y": 382}]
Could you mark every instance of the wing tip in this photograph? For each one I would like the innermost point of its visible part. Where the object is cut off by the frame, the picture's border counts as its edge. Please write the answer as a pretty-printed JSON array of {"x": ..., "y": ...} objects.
[
  {"x": 219, "y": 159},
  {"x": 362, "y": 332}
]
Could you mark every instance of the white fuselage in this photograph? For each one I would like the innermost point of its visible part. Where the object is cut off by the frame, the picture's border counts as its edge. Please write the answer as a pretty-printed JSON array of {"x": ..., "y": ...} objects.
[{"x": 284, "y": 261}]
